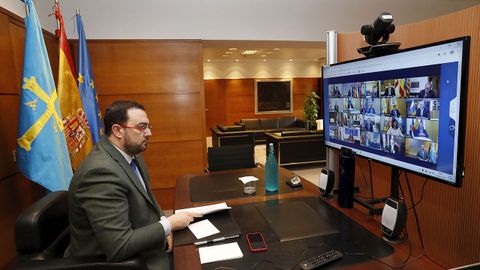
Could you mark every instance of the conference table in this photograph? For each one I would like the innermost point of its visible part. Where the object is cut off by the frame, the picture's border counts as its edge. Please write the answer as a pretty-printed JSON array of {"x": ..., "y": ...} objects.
[{"x": 351, "y": 231}]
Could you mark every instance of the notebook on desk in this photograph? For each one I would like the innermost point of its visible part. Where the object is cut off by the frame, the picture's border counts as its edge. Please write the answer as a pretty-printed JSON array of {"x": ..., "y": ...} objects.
[{"x": 223, "y": 221}]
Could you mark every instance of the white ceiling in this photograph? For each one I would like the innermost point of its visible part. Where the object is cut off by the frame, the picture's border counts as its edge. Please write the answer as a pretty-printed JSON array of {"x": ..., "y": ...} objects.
[{"x": 221, "y": 51}]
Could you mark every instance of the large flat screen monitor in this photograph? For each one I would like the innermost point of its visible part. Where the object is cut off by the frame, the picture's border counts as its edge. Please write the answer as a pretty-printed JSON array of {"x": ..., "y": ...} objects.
[{"x": 405, "y": 109}]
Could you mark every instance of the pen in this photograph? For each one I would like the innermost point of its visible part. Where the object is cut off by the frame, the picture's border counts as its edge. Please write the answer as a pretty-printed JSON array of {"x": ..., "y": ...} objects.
[{"x": 220, "y": 239}]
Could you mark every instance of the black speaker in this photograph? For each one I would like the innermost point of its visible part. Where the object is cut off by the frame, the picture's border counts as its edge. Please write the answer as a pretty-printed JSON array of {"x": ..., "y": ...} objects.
[
  {"x": 347, "y": 178},
  {"x": 326, "y": 182},
  {"x": 394, "y": 218}
]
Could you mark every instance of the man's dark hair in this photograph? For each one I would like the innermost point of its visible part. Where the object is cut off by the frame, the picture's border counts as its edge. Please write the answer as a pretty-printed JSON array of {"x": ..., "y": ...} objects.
[{"x": 116, "y": 113}]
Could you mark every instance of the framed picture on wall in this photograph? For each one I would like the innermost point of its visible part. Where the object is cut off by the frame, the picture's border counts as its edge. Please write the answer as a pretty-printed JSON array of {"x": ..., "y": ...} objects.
[{"x": 273, "y": 96}]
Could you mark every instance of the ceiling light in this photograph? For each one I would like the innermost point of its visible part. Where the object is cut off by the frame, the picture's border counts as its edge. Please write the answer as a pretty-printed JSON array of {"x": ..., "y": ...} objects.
[
  {"x": 249, "y": 52},
  {"x": 269, "y": 52},
  {"x": 291, "y": 60},
  {"x": 264, "y": 60},
  {"x": 228, "y": 52},
  {"x": 263, "y": 55},
  {"x": 232, "y": 49},
  {"x": 276, "y": 49},
  {"x": 236, "y": 60},
  {"x": 209, "y": 60}
]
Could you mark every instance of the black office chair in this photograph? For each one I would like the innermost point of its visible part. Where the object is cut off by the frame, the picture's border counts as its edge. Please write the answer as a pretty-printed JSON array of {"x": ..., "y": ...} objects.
[
  {"x": 41, "y": 237},
  {"x": 231, "y": 157}
]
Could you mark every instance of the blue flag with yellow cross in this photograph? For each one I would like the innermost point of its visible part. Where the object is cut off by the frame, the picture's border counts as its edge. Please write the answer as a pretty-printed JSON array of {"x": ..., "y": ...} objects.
[{"x": 41, "y": 153}]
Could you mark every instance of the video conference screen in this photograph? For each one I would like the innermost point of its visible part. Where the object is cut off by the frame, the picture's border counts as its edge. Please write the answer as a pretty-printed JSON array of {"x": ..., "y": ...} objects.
[{"x": 405, "y": 109}]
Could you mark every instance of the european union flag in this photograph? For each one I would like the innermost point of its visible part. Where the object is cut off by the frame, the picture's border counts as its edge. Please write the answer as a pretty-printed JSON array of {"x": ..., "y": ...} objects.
[
  {"x": 86, "y": 85},
  {"x": 41, "y": 152}
]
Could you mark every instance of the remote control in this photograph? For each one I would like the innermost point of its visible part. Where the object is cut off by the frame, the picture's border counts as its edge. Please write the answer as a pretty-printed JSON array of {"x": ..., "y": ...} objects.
[{"x": 321, "y": 259}]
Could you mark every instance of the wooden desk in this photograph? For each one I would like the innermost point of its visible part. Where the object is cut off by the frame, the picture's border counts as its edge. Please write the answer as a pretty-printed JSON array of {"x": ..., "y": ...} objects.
[{"x": 186, "y": 257}]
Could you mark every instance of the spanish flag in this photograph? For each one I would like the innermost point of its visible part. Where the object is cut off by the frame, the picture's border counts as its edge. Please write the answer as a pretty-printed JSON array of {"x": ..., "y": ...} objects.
[{"x": 77, "y": 130}]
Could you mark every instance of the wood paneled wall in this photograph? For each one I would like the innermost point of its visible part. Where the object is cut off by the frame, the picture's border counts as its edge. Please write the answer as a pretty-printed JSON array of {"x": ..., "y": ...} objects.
[
  {"x": 449, "y": 217},
  {"x": 16, "y": 192},
  {"x": 229, "y": 100},
  {"x": 166, "y": 76}
]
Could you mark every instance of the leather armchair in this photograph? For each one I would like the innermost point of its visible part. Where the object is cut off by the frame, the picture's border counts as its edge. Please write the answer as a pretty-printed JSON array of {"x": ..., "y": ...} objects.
[{"x": 41, "y": 237}]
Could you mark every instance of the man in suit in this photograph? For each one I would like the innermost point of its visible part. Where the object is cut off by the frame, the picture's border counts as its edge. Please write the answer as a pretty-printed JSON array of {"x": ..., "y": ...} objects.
[
  {"x": 369, "y": 125},
  {"x": 395, "y": 112},
  {"x": 422, "y": 110},
  {"x": 427, "y": 92},
  {"x": 422, "y": 154},
  {"x": 389, "y": 90},
  {"x": 112, "y": 210},
  {"x": 420, "y": 131}
]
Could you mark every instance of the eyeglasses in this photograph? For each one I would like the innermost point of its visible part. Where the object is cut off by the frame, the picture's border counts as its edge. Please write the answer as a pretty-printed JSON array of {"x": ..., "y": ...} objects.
[{"x": 141, "y": 127}]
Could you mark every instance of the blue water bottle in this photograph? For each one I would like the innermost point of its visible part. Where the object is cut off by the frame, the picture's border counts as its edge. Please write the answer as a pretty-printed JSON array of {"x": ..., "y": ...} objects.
[{"x": 271, "y": 171}]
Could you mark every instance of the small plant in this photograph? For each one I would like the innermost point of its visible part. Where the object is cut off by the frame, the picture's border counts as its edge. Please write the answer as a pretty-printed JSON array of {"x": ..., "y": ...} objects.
[{"x": 310, "y": 110}]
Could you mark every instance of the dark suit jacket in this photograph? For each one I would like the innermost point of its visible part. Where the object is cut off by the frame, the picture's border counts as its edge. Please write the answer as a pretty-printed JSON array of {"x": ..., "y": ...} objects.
[
  {"x": 423, "y": 112},
  {"x": 110, "y": 212}
]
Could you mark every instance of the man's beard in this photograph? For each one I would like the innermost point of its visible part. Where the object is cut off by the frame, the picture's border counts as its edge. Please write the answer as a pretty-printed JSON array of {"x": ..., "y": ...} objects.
[{"x": 132, "y": 148}]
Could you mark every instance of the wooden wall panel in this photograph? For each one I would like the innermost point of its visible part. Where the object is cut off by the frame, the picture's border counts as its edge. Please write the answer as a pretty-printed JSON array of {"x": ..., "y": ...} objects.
[
  {"x": 449, "y": 217},
  {"x": 131, "y": 67},
  {"x": 6, "y": 54},
  {"x": 242, "y": 103},
  {"x": 240, "y": 87},
  {"x": 165, "y": 197},
  {"x": 215, "y": 103},
  {"x": 8, "y": 122},
  {"x": 17, "y": 40},
  {"x": 169, "y": 160},
  {"x": 239, "y": 100},
  {"x": 174, "y": 117}
]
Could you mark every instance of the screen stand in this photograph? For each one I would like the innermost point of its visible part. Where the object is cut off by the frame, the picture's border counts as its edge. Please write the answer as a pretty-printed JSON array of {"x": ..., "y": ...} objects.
[
  {"x": 372, "y": 210},
  {"x": 370, "y": 204}
]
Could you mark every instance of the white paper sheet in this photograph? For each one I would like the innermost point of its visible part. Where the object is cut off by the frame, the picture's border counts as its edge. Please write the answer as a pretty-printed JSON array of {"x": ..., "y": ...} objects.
[
  {"x": 246, "y": 179},
  {"x": 206, "y": 209},
  {"x": 220, "y": 253},
  {"x": 203, "y": 229}
]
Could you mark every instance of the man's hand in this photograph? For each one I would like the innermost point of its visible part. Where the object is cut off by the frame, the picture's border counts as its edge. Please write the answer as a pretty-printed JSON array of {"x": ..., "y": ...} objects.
[
  {"x": 170, "y": 243},
  {"x": 181, "y": 220}
]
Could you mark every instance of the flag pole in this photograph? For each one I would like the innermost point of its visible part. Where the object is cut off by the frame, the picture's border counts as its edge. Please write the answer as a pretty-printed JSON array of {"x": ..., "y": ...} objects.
[
  {"x": 27, "y": 12},
  {"x": 77, "y": 11},
  {"x": 57, "y": 17}
]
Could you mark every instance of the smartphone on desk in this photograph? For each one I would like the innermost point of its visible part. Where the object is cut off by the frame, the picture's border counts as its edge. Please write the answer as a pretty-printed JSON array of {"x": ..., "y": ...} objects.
[{"x": 256, "y": 242}]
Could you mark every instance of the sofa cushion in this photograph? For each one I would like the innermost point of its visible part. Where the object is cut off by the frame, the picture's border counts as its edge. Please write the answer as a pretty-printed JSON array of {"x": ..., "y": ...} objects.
[
  {"x": 269, "y": 123},
  {"x": 287, "y": 121},
  {"x": 230, "y": 128},
  {"x": 250, "y": 124}
]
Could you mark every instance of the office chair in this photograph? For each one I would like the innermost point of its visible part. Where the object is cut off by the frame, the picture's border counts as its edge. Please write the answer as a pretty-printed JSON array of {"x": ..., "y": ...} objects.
[
  {"x": 230, "y": 157},
  {"x": 42, "y": 235}
]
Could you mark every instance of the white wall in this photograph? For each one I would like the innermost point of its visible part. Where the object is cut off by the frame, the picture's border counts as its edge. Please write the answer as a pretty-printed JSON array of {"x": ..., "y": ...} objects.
[
  {"x": 255, "y": 69},
  {"x": 300, "y": 20},
  {"x": 15, "y": 6}
]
